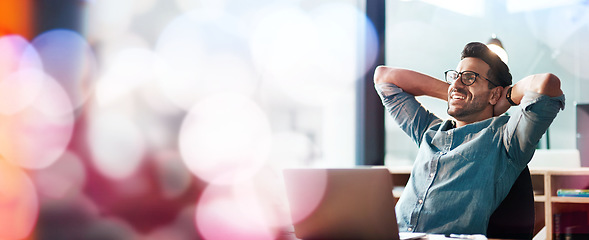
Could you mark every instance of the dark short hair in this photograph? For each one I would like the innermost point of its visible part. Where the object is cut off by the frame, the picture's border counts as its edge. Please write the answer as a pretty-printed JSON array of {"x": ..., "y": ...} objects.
[{"x": 499, "y": 72}]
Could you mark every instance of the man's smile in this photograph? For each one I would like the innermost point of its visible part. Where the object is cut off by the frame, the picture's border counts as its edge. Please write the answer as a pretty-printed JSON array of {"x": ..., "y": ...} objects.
[{"x": 456, "y": 95}]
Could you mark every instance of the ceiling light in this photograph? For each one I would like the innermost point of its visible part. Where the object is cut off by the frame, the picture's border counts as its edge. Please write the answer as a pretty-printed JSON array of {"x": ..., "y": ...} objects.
[{"x": 495, "y": 45}]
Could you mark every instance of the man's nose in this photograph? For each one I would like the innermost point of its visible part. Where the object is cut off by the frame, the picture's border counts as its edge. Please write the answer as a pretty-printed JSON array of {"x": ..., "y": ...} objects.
[{"x": 458, "y": 82}]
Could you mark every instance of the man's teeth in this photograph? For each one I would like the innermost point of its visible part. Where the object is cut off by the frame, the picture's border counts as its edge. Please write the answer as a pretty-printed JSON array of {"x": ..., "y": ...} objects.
[{"x": 458, "y": 97}]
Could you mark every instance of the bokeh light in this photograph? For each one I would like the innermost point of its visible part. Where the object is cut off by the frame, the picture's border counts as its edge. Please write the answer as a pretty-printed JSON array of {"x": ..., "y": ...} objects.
[
  {"x": 347, "y": 52},
  {"x": 303, "y": 199},
  {"x": 225, "y": 138},
  {"x": 20, "y": 89},
  {"x": 233, "y": 212},
  {"x": 283, "y": 40},
  {"x": 17, "y": 54},
  {"x": 69, "y": 59},
  {"x": 20, "y": 74},
  {"x": 18, "y": 202},
  {"x": 108, "y": 19},
  {"x": 63, "y": 179},
  {"x": 116, "y": 143},
  {"x": 38, "y": 135},
  {"x": 203, "y": 53},
  {"x": 128, "y": 70},
  {"x": 313, "y": 56},
  {"x": 169, "y": 103},
  {"x": 109, "y": 50}
]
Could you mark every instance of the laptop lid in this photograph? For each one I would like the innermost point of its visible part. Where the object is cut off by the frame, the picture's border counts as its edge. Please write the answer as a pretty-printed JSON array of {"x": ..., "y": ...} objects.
[{"x": 341, "y": 203}]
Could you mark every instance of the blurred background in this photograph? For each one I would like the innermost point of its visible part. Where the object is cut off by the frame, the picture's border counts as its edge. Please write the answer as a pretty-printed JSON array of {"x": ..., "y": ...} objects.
[{"x": 173, "y": 119}]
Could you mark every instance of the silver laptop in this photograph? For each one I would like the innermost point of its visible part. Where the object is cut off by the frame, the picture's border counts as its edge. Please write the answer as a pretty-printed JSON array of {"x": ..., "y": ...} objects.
[{"x": 341, "y": 203}]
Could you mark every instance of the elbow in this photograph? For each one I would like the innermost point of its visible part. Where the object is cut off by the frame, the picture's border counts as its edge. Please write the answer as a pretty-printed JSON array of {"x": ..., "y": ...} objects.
[
  {"x": 549, "y": 85},
  {"x": 551, "y": 79},
  {"x": 379, "y": 74},
  {"x": 383, "y": 74}
]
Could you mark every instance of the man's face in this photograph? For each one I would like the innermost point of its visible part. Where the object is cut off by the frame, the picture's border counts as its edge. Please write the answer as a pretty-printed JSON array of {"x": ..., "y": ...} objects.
[{"x": 467, "y": 103}]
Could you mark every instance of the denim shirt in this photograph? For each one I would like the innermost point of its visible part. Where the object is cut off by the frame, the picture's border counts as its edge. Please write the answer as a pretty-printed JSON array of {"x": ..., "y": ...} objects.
[{"x": 462, "y": 174}]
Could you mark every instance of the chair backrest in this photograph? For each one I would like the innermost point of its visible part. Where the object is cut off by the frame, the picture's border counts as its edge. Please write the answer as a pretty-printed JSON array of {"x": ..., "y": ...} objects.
[{"x": 514, "y": 218}]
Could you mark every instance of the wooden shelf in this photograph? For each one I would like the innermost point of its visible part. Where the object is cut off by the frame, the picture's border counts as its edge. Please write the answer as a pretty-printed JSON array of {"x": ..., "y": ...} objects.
[
  {"x": 547, "y": 182},
  {"x": 539, "y": 198},
  {"x": 570, "y": 199}
]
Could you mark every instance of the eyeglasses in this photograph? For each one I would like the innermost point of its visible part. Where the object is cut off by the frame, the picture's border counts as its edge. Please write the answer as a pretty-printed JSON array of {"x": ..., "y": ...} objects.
[{"x": 466, "y": 77}]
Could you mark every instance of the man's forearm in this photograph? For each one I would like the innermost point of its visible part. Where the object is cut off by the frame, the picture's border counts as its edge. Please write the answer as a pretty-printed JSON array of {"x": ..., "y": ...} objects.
[
  {"x": 412, "y": 82},
  {"x": 546, "y": 84}
]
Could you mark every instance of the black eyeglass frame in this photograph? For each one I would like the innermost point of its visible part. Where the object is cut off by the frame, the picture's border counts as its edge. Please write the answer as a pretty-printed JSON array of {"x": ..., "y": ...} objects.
[{"x": 476, "y": 75}]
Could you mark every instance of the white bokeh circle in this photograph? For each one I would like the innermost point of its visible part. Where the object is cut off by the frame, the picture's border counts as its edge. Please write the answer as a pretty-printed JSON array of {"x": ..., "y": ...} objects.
[
  {"x": 203, "y": 53},
  {"x": 225, "y": 137},
  {"x": 222, "y": 214},
  {"x": 116, "y": 143}
]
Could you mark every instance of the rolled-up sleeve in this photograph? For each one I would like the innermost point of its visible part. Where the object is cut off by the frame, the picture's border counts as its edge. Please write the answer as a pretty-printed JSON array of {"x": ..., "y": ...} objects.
[
  {"x": 527, "y": 125},
  {"x": 411, "y": 116}
]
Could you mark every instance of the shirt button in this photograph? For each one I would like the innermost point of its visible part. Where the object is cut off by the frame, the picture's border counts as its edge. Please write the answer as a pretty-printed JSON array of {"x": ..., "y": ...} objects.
[
  {"x": 409, "y": 229},
  {"x": 431, "y": 174},
  {"x": 420, "y": 201}
]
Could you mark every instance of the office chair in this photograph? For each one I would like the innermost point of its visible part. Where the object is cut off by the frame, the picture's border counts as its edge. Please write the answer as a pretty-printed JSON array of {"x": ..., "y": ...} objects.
[{"x": 514, "y": 218}]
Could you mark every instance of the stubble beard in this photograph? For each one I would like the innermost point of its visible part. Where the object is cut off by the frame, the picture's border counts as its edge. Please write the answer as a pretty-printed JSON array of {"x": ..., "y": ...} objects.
[{"x": 472, "y": 108}]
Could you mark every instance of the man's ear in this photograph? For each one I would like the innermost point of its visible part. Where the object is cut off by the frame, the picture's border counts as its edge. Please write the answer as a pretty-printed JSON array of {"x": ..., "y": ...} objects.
[{"x": 495, "y": 95}]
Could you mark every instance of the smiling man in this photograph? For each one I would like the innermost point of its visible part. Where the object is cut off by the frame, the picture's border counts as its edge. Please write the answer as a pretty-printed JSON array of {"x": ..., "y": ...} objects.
[{"x": 466, "y": 165}]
